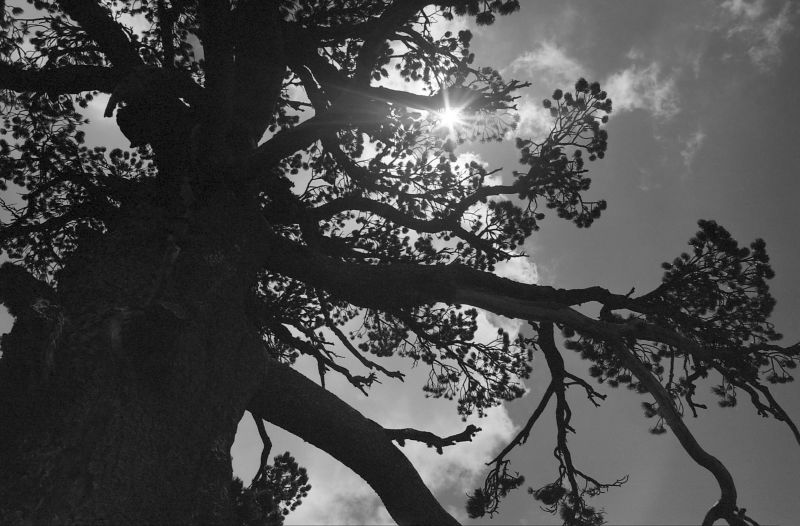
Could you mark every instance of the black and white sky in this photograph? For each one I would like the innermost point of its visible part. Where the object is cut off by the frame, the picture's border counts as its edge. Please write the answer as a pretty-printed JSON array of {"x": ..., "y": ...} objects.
[{"x": 704, "y": 126}]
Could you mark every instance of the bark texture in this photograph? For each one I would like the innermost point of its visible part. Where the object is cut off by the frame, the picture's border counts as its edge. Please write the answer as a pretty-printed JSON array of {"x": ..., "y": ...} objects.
[{"x": 132, "y": 417}]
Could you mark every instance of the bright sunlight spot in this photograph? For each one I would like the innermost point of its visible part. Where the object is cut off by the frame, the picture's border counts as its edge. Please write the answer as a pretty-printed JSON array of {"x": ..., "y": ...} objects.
[{"x": 450, "y": 117}]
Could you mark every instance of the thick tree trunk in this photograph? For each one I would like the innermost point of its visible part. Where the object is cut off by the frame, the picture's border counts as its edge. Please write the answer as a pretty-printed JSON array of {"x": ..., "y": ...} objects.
[
  {"x": 131, "y": 416},
  {"x": 120, "y": 393}
]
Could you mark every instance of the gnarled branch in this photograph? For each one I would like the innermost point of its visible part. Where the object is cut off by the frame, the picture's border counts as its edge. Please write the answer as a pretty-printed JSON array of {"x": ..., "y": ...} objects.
[
  {"x": 726, "y": 507},
  {"x": 433, "y": 440}
]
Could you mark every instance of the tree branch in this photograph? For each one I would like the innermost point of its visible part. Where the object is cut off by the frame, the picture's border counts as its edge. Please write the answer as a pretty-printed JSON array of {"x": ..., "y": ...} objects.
[
  {"x": 293, "y": 402},
  {"x": 431, "y": 439},
  {"x": 726, "y": 506},
  {"x": 267, "y": 447},
  {"x": 282, "y": 333},
  {"x": 65, "y": 79},
  {"x": 287, "y": 142},
  {"x": 390, "y": 20},
  {"x": 392, "y": 287},
  {"x": 396, "y": 285},
  {"x": 331, "y": 325},
  {"x": 450, "y": 223},
  {"x": 96, "y": 20},
  {"x": 525, "y": 432}
]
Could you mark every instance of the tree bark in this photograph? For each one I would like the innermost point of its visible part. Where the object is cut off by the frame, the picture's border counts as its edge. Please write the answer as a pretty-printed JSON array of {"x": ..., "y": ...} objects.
[{"x": 133, "y": 421}]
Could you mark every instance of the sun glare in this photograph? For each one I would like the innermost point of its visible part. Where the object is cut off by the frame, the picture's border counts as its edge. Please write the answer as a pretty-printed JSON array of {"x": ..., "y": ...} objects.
[{"x": 450, "y": 117}]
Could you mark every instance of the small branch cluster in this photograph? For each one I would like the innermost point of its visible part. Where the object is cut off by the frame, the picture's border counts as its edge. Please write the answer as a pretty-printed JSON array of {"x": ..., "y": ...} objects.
[
  {"x": 276, "y": 490},
  {"x": 566, "y": 494}
]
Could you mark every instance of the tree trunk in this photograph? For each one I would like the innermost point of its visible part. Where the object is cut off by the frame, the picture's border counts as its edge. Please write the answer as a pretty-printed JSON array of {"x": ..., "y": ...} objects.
[
  {"x": 137, "y": 373},
  {"x": 121, "y": 391}
]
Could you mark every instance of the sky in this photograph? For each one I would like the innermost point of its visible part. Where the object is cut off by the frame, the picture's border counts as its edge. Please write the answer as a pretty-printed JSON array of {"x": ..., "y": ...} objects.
[{"x": 704, "y": 126}]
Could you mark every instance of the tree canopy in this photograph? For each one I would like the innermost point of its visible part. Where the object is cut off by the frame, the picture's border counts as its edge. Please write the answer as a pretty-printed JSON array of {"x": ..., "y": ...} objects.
[{"x": 282, "y": 196}]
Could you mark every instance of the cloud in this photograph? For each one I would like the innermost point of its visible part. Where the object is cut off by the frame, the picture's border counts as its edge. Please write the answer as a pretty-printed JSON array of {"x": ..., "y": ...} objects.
[
  {"x": 635, "y": 87},
  {"x": 643, "y": 88},
  {"x": 766, "y": 51},
  {"x": 550, "y": 60},
  {"x": 338, "y": 496},
  {"x": 548, "y": 66},
  {"x": 534, "y": 119},
  {"x": 692, "y": 145},
  {"x": 762, "y": 34},
  {"x": 744, "y": 8},
  {"x": 521, "y": 269}
]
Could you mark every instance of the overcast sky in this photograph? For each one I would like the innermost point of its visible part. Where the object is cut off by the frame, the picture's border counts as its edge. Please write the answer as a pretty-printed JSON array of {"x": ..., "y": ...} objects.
[{"x": 704, "y": 126}]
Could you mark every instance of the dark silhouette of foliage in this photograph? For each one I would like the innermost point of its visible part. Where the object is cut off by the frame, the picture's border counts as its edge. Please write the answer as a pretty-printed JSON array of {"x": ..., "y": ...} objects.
[{"x": 270, "y": 498}]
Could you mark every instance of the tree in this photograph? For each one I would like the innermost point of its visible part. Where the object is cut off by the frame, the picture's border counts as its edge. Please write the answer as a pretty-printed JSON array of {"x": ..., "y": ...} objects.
[{"x": 276, "y": 197}]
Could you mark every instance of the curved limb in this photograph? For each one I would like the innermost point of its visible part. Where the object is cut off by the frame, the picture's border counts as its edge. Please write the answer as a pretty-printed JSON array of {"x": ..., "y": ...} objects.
[
  {"x": 291, "y": 401},
  {"x": 726, "y": 507}
]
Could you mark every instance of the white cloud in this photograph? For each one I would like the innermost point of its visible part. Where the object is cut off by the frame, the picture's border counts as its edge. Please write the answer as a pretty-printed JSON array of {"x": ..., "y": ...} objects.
[
  {"x": 761, "y": 34},
  {"x": 338, "y": 496},
  {"x": 534, "y": 120},
  {"x": 521, "y": 269},
  {"x": 744, "y": 8},
  {"x": 766, "y": 50},
  {"x": 550, "y": 60},
  {"x": 511, "y": 326},
  {"x": 643, "y": 88},
  {"x": 692, "y": 145},
  {"x": 636, "y": 87}
]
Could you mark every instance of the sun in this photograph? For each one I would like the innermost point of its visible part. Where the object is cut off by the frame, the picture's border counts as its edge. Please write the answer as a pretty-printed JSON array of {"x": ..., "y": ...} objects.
[{"x": 450, "y": 117}]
